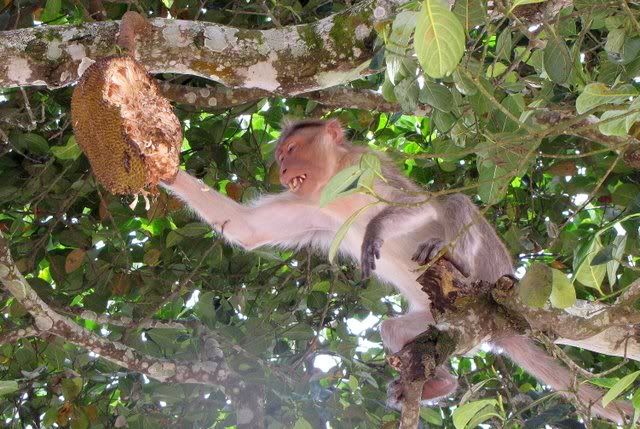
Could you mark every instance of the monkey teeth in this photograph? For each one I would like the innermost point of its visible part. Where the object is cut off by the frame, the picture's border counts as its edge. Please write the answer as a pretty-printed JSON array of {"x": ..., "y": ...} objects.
[{"x": 294, "y": 184}]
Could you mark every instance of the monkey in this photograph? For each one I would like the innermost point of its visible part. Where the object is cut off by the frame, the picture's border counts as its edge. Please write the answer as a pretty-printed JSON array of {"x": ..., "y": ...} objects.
[{"x": 390, "y": 240}]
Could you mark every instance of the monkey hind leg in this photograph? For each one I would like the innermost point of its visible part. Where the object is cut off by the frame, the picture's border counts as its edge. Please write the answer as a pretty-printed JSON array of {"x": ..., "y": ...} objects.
[
  {"x": 441, "y": 385},
  {"x": 400, "y": 330}
]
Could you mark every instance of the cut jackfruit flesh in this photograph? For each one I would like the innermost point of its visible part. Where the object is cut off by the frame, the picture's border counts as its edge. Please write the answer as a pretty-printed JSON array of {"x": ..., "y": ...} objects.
[{"x": 125, "y": 127}]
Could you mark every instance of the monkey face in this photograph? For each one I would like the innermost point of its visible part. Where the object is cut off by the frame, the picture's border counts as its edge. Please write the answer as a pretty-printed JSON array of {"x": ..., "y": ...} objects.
[{"x": 307, "y": 157}]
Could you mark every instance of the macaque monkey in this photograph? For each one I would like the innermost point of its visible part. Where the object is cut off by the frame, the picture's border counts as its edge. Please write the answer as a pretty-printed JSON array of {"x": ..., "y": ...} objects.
[{"x": 391, "y": 241}]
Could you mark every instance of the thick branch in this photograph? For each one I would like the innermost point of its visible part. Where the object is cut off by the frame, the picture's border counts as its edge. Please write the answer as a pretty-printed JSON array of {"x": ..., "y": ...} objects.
[
  {"x": 213, "y": 371},
  {"x": 219, "y": 97},
  {"x": 582, "y": 321},
  {"x": 458, "y": 305},
  {"x": 290, "y": 60},
  {"x": 14, "y": 335}
]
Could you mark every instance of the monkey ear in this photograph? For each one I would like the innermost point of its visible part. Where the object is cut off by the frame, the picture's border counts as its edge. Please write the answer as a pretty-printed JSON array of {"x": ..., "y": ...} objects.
[{"x": 335, "y": 131}]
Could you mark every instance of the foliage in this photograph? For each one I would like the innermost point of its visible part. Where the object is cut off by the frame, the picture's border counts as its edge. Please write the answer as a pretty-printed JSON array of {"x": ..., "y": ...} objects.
[{"x": 559, "y": 199}]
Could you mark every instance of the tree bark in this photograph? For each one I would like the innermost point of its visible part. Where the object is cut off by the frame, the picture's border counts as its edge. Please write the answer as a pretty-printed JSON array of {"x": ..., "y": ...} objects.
[{"x": 288, "y": 60}]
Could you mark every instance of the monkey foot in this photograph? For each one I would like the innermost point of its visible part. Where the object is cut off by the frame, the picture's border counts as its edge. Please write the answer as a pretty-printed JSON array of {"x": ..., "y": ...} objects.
[
  {"x": 370, "y": 252},
  {"x": 441, "y": 385},
  {"x": 429, "y": 250}
]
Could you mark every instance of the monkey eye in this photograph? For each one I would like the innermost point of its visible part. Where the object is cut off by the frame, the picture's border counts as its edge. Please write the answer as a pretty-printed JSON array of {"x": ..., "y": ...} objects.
[{"x": 290, "y": 149}]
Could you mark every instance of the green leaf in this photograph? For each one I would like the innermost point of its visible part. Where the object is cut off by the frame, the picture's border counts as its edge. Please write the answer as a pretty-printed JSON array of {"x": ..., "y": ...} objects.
[
  {"x": 591, "y": 275},
  {"x": 406, "y": 92},
  {"x": 431, "y": 416},
  {"x": 341, "y": 182},
  {"x": 173, "y": 238},
  {"x": 614, "y": 123},
  {"x": 71, "y": 388},
  {"x": 471, "y": 13},
  {"x": 8, "y": 386},
  {"x": 536, "y": 286},
  {"x": 557, "y": 59},
  {"x": 342, "y": 231},
  {"x": 438, "y": 40},
  {"x": 635, "y": 400},
  {"x": 563, "y": 294},
  {"x": 504, "y": 45},
  {"x": 69, "y": 151},
  {"x": 436, "y": 95},
  {"x": 51, "y": 11},
  {"x": 603, "y": 256},
  {"x": 371, "y": 161},
  {"x": 464, "y": 413},
  {"x": 317, "y": 300},
  {"x": 194, "y": 229},
  {"x": 619, "y": 388},
  {"x": 493, "y": 182},
  {"x": 463, "y": 83},
  {"x": 397, "y": 44},
  {"x": 517, "y": 3},
  {"x": 619, "y": 245},
  {"x": 597, "y": 94},
  {"x": 615, "y": 41},
  {"x": 31, "y": 142},
  {"x": 301, "y": 423}
]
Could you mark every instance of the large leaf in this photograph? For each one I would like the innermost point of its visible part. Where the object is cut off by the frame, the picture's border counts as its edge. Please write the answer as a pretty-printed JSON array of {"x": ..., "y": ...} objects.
[
  {"x": 493, "y": 182},
  {"x": 406, "y": 92},
  {"x": 463, "y": 415},
  {"x": 563, "y": 294},
  {"x": 341, "y": 182},
  {"x": 619, "y": 388},
  {"x": 614, "y": 123},
  {"x": 536, "y": 286},
  {"x": 69, "y": 151},
  {"x": 619, "y": 244},
  {"x": 436, "y": 95},
  {"x": 557, "y": 59},
  {"x": 470, "y": 12},
  {"x": 587, "y": 274},
  {"x": 397, "y": 44},
  {"x": 438, "y": 40},
  {"x": 597, "y": 94},
  {"x": 517, "y": 3},
  {"x": 8, "y": 387}
]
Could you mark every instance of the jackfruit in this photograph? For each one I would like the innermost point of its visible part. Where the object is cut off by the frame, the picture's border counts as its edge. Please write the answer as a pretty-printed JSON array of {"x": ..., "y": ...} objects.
[{"x": 125, "y": 127}]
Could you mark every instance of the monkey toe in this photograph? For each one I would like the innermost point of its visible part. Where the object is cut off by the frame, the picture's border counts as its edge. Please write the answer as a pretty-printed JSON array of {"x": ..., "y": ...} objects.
[{"x": 427, "y": 251}]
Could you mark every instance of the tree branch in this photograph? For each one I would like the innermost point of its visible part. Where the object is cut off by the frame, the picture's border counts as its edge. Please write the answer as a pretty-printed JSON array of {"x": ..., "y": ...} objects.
[
  {"x": 213, "y": 371},
  {"x": 14, "y": 335},
  {"x": 288, "y": 60},
  {"x": 220, "y": 97}
]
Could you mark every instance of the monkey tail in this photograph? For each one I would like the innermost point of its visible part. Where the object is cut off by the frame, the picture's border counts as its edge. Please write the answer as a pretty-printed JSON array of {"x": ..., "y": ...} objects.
[{"x": 545, "y": 368}]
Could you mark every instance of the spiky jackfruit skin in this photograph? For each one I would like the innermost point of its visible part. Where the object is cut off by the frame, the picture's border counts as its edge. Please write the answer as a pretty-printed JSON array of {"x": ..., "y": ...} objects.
[{"x": 125, "y": 127}]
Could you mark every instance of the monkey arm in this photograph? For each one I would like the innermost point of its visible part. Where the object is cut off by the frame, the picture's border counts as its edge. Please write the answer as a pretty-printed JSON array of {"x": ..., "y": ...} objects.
[{"x": 278, "y": 219}]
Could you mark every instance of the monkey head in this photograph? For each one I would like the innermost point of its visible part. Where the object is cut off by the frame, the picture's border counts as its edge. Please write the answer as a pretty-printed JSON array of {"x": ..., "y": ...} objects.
[{"x": 309, "y": 153}]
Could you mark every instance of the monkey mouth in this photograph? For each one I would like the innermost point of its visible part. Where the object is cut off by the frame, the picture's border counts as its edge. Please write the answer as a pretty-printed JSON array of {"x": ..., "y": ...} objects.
[{"x": 295, "y": 183}]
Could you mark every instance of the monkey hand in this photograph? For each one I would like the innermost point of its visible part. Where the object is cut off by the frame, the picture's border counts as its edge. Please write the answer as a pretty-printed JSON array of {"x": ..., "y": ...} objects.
[
  {"x": 370, "y": 252},
  {"x": 429, "y": 250}
]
